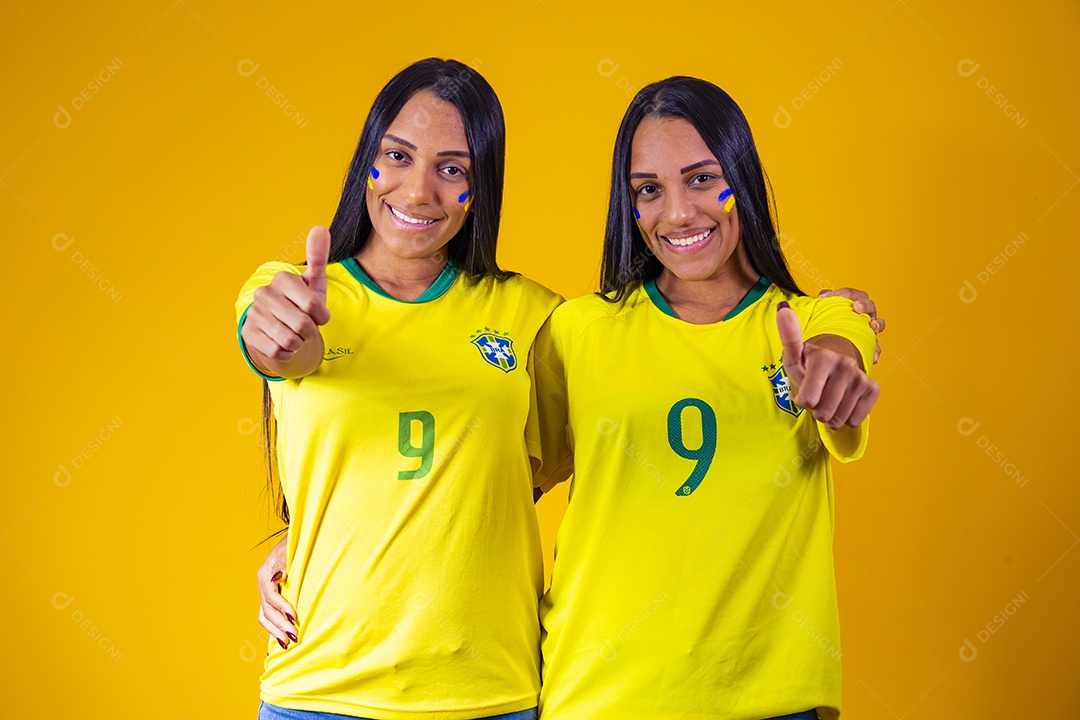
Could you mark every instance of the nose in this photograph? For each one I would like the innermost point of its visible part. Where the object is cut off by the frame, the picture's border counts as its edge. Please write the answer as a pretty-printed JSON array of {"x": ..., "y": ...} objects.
[
  {"x": 417, "y": 187},
  {"x": 678, "y": 208}
]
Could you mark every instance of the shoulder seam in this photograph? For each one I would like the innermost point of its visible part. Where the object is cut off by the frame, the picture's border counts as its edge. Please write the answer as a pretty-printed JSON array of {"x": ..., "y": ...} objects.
[{"x": 606, "y": 316}]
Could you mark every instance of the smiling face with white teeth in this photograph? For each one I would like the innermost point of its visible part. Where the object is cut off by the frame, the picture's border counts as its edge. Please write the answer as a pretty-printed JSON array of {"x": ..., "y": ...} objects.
[
  {"x": 675, "y": 185},
  {"x": 423, "y": 167}
]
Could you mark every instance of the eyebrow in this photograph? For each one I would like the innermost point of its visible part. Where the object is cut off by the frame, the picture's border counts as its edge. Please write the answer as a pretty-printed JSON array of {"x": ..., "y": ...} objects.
[
  {"x": 683, "y": 171},
  {"x": 399, "y": 141},
  {"x": 402, "y": 141},
  {"x": 697, "y": 165}
]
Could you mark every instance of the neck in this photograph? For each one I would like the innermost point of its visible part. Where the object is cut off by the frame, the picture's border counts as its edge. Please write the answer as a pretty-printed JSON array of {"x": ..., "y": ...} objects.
[
  {"x": 401, "y": 278},
  {"x": 710, "y": 299}
]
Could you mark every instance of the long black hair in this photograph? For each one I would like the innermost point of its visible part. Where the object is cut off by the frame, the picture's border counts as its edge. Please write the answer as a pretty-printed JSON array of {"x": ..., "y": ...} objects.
[
  {"x": 473, "y": 247},
  {"x": 627, "y": 260}
]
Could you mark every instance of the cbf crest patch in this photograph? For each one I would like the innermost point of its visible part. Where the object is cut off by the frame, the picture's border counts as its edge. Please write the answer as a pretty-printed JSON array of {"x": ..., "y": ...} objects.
[
  {"x": 781, "y": 387},
  {"x": 496, "y": 348}
]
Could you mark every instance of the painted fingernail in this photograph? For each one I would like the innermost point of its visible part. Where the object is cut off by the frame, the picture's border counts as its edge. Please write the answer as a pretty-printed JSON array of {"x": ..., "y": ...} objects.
[
  {"x": 280, "y": 642},
  {"x": 291, "y": 636},
  {"x": 781, "y": 305},
  {"x": 291, "y": 618},
  {"x": 277, "y": 576}
]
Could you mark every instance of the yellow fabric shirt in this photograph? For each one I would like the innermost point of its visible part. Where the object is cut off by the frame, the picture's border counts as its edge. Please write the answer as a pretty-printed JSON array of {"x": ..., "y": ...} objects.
[
  {"x": 414, "y": 558},
  {"x": 694, "y": 571}
]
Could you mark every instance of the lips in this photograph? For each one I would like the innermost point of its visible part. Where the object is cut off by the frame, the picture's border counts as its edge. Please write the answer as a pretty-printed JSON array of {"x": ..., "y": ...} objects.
[
  {"x": 410, "y": 221},
  {"x": 687, "y": 242}
]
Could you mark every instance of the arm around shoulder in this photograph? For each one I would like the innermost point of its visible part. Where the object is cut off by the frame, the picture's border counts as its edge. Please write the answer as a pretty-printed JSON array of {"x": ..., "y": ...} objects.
[{"x": 549, "y": 439}]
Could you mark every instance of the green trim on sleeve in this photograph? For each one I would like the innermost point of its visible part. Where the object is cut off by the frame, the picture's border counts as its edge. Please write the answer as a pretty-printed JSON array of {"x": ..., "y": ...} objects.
[
  {"x": 436, "y": 290},
  {"x": 749, "y": 299},
  {"x": 243, "y": 350}
]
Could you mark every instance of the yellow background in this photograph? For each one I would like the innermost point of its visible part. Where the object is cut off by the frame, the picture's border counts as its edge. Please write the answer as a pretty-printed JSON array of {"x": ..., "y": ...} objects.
[{"x": 134, "y": 209}]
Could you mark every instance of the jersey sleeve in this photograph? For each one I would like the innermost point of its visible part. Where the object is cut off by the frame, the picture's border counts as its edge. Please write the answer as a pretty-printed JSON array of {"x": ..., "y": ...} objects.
[
  {"x": 548, "y": 414},
  {"x": 262, "y": 276},
  {"x": 834, "y": 316}
]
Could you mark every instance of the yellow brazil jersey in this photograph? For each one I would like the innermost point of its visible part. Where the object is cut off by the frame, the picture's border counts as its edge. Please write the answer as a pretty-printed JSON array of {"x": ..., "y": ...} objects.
[
  {"x": 694, "y": 574},
  {"x": 414, "y": 559}
]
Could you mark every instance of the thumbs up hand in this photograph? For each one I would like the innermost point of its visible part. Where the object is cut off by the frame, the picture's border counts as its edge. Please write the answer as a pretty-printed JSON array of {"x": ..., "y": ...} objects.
[
  {"x": 318, "y": 250},
  {"x": 281, "y": 331},
  {"x": 825, "y": 373}
]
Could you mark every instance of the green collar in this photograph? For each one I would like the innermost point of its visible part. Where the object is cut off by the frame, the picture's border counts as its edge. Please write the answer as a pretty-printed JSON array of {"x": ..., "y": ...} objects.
[
  {"x": 437, "y": 289},
  {"x": 751, "y": 297}
]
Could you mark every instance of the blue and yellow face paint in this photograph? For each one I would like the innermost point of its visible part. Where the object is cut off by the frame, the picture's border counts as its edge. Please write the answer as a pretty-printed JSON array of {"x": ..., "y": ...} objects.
[
  {"x": 466, "y": 197},
  {"x": 373, "y": 176},
  {"x": 728, "y": 198},
  {"x": 637, "y": 215}
]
